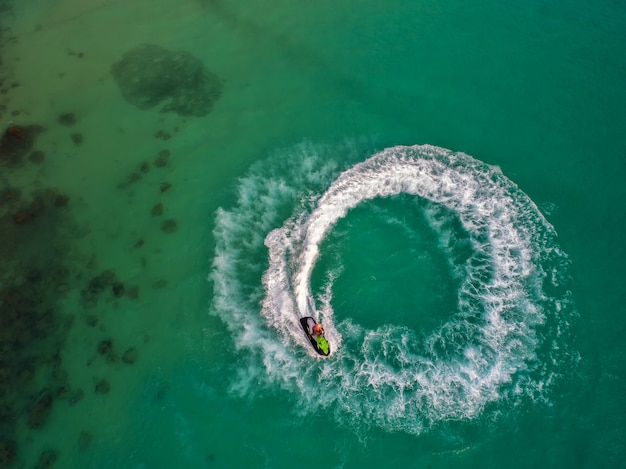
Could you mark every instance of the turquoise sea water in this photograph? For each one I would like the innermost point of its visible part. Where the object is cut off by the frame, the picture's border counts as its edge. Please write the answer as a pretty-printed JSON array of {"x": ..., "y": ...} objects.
[{"x": 440, "y": 183}]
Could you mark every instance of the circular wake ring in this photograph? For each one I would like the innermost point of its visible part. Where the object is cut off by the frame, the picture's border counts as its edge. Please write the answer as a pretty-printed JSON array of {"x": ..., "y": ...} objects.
[{"x": 488, "y": 349}]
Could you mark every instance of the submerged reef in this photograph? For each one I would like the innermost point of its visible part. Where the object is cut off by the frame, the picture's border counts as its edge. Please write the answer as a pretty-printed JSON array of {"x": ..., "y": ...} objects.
[
  {"x": 41, "y": 265},
  {"x": 150, "y": 76},
  {"x": 17, "y": 142},
  {"x": 48, "y": 283},
  {"x": 35, "y": 275}
]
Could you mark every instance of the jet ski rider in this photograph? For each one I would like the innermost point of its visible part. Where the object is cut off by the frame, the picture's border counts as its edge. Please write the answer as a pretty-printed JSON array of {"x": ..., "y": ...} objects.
[{"x": 318, "y": 330}]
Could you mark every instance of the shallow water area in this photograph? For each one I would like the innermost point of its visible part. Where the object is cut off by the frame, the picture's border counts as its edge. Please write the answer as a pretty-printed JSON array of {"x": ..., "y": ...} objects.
[
  {"x": 472, "y": 305},
  {"x": 128, "y": 280}
]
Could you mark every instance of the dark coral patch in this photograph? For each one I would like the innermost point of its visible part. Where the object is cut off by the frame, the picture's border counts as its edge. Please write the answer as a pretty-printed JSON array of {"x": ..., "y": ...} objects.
[
  {"x": 105, "y": 347},
  {"x": 101, "y": 282},
  {"x": 162, "y": 159},
  {"x": 118, "y": 289},
  {"x": 16, "y": 142},
  {"x": 47, "y": 459},
  {"x": 130, "y": 356},
  {"x": 40, "y": 409},
  {"x": 150, "y": 76},
  {"x": 103, "y": 387},
  {"x": 22, "y": 217},
  {"x": 169, "y": 226},
  {"x": 157, "y": 210},
  {"x": 67, "y": 118},
  {"x": 163, "y": 135}
]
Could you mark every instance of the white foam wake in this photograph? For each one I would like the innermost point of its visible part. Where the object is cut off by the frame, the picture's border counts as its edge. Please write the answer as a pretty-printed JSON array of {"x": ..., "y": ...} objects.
[{"x": 487, "y": 352}]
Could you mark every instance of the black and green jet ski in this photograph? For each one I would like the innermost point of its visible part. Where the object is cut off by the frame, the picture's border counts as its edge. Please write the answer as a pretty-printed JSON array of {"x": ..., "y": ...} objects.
[{"x": 319, "y": 342}]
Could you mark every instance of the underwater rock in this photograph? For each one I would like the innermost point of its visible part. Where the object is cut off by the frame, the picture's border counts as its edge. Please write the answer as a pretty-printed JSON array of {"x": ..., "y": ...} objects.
[
  {"x": 150, "y": 76},
  {"x": 157, "y": 210},
  {"x": 62, "y": 392},
  {"x": 108, "y": 276},
  {"x": 131, "y": 179},
  {"x": 165, "y": 186},
  {"x": 102, "y": 387},
  {"x": 16, "y": 142},
  {"x": 67, "y": 118},
  {"x": 118, "y": 289},
  {"x": 72, "y": 53},
  {"x": 162, "y": 159},
  {"x": 163, "y": 135},
  {"x": 23, "y": 217},
  {"x": 130, "y": 356},
  {"x": 96, "y": 285},
  {"x": 39, "y": 411},
  {"x": 105, "y": 347},
  {"x": 144, "y": 167},
  {"x": 169, "y": 226},
  {"x": 47, "y": 459},
  {"x": 102, "y": 281}
]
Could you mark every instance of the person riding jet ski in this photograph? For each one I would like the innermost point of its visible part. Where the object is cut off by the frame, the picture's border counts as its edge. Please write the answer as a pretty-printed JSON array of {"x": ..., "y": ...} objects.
[{"x": 317, "y": 330}]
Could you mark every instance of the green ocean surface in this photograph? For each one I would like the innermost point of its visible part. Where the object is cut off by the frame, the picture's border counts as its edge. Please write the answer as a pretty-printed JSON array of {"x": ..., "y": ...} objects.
[{"x": 439, "y": 183}]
